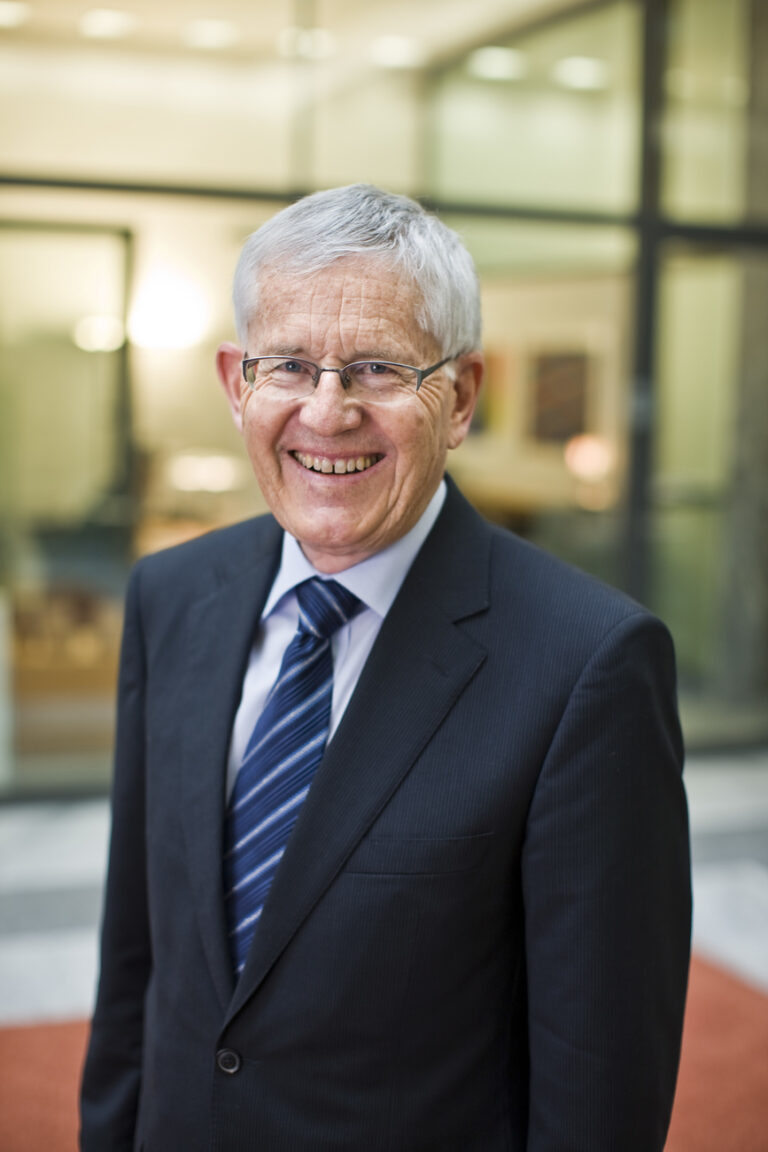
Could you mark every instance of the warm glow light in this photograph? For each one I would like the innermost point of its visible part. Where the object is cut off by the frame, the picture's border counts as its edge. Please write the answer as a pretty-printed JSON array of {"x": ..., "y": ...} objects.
[
  {"x": 99, "y": 333},
  {"x": 497, "y": 64},
  {"x": 106, "y": 23},
  {"x": 198, "y": 473},
  {"x": 210, "y": 34},
  {"x": 395, "y": 52},
  {"x": 170, "y": 311},
  {"x": 306, "y": 43},
  {"x": 589, "y": 458},
  {"x": 13, "y": 13},
  {"x": 584, "y": 73}
]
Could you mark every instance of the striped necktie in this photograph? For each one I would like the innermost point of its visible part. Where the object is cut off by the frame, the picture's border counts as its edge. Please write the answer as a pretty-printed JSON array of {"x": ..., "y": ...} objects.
[{"x": 280, "y": 759}]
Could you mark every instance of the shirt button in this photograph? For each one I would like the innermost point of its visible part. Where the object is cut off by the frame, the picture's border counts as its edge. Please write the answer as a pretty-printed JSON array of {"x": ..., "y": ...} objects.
[{"x": 228, "y": 1061}]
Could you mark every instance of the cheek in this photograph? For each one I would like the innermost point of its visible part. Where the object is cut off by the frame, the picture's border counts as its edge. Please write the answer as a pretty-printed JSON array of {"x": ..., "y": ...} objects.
[{"x": 261, "y": 434}]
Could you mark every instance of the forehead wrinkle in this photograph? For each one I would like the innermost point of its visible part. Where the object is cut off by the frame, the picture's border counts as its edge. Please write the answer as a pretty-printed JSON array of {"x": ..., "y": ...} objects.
[{"x": 351, "y": 310}]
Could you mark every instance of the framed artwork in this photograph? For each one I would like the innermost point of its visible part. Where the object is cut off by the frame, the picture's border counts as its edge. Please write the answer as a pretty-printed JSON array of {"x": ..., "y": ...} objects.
[{"x": 559, "y": 395}]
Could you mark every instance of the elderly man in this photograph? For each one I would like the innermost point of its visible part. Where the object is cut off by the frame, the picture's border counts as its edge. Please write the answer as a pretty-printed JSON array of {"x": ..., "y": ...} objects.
[{"x": 399, "y": 855}]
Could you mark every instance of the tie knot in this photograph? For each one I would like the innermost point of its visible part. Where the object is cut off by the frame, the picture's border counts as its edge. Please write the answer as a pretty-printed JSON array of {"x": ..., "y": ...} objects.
[{"x": 324, "y": 606}]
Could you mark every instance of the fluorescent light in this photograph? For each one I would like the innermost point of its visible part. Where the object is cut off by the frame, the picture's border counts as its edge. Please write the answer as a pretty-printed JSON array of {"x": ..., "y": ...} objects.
[
  {"x": 99, "y": 333},
  {"x": 583, "y": 73},
  {"x": 106, "y": 23},
  {"x": 306, "y": 43},
  {"x": 210, "y": 34},
  {"x": 395, "y": 52},
  {"x": 170, "y": 312},
  {"x": 497, "y": 64},
  {"x": 13, "y": 13}
]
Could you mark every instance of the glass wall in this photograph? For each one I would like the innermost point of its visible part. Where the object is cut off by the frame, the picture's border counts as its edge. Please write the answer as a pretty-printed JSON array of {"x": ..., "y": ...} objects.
[
  {"x": 546, "y": 117},
  {"x": 714, "y": 139},
  {"x": 710, "y": 485},
  {"x": 548, "y": 450},
  {"x": 65, "y": 486},
  {"x": 137, "y": 168}
]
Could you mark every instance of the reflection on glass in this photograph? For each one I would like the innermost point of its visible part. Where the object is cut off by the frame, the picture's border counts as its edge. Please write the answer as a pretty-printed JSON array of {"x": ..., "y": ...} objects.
[
  {"x": 64, "y": 542},
  {"x": 710, "y": 554},
  {"x": 548, "y": 118},
  {"x": 548, "y": 449},
  {"x": 713, "y": 127}
]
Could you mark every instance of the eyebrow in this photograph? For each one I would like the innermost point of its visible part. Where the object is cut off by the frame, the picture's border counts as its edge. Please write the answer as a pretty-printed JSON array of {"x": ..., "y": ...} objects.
[{"x": 300, "y": 354}]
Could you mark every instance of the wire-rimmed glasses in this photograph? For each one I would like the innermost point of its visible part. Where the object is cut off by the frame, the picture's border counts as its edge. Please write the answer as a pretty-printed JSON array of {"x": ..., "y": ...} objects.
[{"x": 372, "y": 381}]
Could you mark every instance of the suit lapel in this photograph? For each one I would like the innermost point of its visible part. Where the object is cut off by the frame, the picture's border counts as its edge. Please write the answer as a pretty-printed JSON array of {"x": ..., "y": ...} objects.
[
  {"x": 220, "y": 632},
  {"x": 417, "y": 669}
]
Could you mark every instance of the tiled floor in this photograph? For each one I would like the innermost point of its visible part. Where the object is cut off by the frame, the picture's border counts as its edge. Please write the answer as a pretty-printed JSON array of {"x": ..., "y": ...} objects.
[{"x": 52, "y": 864}]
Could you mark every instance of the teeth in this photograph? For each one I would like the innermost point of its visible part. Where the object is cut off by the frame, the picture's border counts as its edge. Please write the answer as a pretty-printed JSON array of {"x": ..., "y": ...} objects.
[{"x": 337, "y": 467}]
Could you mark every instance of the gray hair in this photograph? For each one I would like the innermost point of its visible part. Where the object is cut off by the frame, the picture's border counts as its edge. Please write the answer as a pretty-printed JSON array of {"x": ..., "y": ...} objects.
[{"x": 362, "y": 220}]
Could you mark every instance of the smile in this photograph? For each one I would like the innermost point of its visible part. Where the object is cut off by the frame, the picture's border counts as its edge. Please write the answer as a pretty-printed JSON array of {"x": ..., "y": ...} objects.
[{"x": 337, "y": 467}]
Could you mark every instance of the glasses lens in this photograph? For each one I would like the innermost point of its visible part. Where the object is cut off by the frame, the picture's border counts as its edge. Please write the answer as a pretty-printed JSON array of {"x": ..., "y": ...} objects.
[
  {"x": 379, "y": 381},
  {"x": 280, "y": 375}
]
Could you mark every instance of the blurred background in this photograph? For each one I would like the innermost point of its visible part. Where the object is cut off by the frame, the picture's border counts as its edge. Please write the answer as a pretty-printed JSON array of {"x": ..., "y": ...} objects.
[{"x": 606, "y": 164}]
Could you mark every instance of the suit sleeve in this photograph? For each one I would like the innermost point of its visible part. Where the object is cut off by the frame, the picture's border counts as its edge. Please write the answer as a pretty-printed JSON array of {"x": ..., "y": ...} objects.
[
  {"x": 606, "y": 881},
  {"x": 111, "y": 1077}
]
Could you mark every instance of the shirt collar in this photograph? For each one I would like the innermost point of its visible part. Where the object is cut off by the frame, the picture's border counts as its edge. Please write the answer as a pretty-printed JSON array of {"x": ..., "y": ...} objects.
[{"x": 376, "y": 581}]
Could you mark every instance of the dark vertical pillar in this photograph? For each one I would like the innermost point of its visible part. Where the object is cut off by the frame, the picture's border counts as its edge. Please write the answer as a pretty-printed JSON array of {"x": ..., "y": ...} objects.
[{"x": 637, "y": 543}]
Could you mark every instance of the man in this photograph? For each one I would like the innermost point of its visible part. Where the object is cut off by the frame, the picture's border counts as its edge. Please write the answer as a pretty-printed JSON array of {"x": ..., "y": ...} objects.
[{"x": 464, "y": 924}]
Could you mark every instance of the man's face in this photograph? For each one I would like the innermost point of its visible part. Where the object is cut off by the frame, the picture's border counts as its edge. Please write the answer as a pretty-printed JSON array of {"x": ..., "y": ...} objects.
[{"x": 357, "y": 309}]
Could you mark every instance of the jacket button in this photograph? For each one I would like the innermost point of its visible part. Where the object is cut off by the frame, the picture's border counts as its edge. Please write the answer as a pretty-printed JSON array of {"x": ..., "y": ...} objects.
[{"x": 228, "y": 1061}]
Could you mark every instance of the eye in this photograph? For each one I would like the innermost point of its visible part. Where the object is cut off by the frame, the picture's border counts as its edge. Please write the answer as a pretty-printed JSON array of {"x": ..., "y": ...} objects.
[
  {"x": 376, "y": 372},
  {"x": 293, "y": 367}
]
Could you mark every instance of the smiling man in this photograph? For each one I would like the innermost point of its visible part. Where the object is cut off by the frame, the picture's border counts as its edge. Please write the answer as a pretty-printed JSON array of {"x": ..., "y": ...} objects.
[{"x": 399, "y": 855}]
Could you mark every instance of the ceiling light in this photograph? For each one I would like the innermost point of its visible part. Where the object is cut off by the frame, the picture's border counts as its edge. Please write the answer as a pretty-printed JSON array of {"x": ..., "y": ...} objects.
[
  {"x": 106, "y": 23},
  {"x": 306, "y": 43},
  {"x": 583, "y": 73},
  {"x": 497, "y": 64},
  {"x": 13, "y": 13},
  {"x": 210, "y": 34},
  {"x": 99, "y": 333},
  {"x": 396, "y": 52}
]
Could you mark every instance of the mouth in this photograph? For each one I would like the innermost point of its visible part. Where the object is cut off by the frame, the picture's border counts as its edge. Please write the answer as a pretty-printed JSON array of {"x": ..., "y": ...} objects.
[{"x": 338, "y": 466}]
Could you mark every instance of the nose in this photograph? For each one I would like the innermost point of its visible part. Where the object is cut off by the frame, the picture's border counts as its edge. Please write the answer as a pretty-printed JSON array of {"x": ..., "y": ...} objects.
[{"x": 329, "y": 410}]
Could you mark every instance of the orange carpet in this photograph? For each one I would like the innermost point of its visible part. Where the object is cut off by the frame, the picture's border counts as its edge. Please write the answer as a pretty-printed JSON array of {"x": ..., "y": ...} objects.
[
  {"x": 722, "y": 1090},
  {"x": 721, "y": 1105}
]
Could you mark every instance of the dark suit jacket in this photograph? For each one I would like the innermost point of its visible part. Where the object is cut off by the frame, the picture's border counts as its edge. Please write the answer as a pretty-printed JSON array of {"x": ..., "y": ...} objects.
[{"x": 478, "y": 936}]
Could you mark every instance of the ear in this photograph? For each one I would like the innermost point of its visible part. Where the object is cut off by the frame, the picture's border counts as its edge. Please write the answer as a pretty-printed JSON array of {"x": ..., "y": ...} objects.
[
  {"x": 466, "y": 387},
  {"x": 230, "y": 372}
]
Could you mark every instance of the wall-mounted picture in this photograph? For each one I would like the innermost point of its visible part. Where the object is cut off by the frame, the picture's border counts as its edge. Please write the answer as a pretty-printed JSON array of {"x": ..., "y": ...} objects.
[{"x": 559, "y": 395}]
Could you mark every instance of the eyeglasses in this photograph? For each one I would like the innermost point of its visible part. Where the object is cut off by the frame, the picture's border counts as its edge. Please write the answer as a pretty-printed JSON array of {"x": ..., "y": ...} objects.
[{"x": 372, "y": 381}]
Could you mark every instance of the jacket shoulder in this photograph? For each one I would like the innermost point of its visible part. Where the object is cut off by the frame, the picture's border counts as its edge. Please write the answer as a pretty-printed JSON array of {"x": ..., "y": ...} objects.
[
  {"x": 196, "y": 565},
  {"x": 555, "y": 606}
]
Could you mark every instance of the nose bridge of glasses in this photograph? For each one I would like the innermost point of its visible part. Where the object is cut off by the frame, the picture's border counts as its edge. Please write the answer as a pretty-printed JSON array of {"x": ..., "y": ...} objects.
[{"x": 342, "y": 373}]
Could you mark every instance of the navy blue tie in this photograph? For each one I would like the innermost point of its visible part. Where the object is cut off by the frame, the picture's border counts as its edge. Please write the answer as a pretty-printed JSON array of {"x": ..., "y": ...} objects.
[{"x": 281, "y": 757}]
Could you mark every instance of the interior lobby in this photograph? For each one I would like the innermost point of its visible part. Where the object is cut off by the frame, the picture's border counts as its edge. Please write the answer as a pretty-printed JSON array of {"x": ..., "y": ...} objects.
[{"x": 606, "y": 163}]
